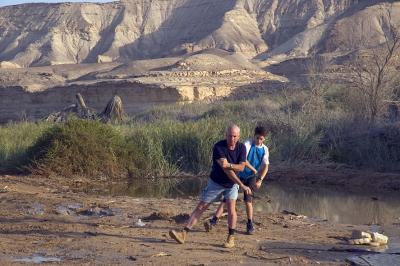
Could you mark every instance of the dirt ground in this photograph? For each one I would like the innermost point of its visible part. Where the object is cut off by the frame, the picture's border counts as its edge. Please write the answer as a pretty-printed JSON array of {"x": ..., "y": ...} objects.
[{"x": 55, "y": 220}]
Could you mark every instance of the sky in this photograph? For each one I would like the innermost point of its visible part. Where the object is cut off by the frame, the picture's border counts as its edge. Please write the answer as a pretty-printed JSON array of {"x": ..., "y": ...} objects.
[{"x": 15, "y": 2}]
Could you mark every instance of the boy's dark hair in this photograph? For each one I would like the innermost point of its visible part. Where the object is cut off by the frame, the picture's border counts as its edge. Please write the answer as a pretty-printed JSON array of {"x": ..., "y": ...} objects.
[{"x": 260, "y": 130}]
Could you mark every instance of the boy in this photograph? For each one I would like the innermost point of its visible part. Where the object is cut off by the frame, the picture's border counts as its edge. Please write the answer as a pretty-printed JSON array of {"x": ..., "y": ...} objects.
[{"x": 257, "y": 162}]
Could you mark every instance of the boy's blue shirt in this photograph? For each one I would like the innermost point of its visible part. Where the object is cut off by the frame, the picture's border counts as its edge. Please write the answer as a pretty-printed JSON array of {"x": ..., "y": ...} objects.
[{"x": 255, "y": 158}]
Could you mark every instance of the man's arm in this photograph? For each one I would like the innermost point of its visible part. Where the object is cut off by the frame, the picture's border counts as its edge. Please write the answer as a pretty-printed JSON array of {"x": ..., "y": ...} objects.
[
  {"x": 223, "y": 162},
  {"x": 232, "y": 175}
]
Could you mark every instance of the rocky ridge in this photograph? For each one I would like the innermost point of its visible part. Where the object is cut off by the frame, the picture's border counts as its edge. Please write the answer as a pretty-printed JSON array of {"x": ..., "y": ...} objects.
[{"x": 70, "y": 33}]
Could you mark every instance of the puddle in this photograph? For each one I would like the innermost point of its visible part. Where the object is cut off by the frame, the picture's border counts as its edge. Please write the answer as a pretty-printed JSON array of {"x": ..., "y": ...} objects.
[
  {"x": 37, "y": 259},
  {"x": 76, "y": 209},
  {"x": 332, "y": 204}
]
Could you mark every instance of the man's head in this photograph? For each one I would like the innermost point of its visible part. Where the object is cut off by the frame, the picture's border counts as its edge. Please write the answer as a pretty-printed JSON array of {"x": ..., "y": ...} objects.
[
  {"x": 232, "y": 134},
  {"x": 260, "y": 133}
]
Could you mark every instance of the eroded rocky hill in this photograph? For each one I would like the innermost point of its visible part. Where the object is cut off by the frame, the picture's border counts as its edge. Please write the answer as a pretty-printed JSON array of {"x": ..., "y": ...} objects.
[
  {"x": 161, "y": 51},
  {"x": 47, "y": 34}
]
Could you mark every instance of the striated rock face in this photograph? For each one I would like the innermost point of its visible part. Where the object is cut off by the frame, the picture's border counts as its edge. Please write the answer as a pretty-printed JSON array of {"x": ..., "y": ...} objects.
[
  {"x": 162, "y": 51},
  {"x": 50, "y": 34}
]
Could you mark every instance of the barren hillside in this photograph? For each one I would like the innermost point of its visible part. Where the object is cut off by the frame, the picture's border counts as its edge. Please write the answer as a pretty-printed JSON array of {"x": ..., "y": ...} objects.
[
  {"x": 152, "y": 51},
  {"x": 48, "y": 34}
]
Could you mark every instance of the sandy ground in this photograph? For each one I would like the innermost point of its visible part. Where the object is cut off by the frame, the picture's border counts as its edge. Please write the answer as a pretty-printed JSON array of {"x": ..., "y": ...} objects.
[{"x": 82, "y": 236}]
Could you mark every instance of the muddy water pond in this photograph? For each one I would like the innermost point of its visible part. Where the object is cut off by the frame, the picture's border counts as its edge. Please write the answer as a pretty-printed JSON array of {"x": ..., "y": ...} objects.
[{"x": 332, "y": 204}]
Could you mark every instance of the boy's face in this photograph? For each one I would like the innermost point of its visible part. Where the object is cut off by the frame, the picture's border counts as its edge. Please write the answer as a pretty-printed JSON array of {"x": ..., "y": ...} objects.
[{"x": 259, "y": 139}]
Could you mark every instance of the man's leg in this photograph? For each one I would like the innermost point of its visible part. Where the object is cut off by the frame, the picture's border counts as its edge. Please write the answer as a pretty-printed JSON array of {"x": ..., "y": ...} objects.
[
  {"x": 232, "y": 219},
  {"x": 180, "y": 236},
  {"x": 211, "y": 192},
  {"x": 201, "y": 207},
  {"x": 232, "y": 215}
]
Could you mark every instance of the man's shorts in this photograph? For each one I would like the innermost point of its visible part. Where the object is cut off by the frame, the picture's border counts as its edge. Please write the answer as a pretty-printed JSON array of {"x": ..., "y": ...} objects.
[
  {"x": 251, "y": 183},
  {"x": 213, "y": 192}
]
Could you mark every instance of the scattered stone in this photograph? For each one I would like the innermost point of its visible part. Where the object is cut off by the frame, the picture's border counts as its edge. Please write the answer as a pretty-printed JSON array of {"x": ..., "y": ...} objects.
[
  {"x": 371, "y": 238},
  {"x": 96, "y": 211},
  {"x": 161, "y": 254},
  {"x": 36, "y": 209},
  {"x": 140, "y": 223},
  {"x": 62, "y": 210},
  {"x": 37, "y": 259},
  {"x": 132, "y": 258}
]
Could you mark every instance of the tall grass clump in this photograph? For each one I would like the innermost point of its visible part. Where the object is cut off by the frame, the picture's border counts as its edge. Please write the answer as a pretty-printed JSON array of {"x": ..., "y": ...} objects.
[
  {"x": 366, "y": 146},
  {"x": 174, "y": 147},
  {"x": 15, "y": 139}
]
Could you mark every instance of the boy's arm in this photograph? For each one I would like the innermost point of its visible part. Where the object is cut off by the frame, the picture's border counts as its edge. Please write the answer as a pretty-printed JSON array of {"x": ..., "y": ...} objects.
[
  {"x": 248, "y": 165},
  {"x": 262, "y": 176},
  {"x": 263, "y": 172}
]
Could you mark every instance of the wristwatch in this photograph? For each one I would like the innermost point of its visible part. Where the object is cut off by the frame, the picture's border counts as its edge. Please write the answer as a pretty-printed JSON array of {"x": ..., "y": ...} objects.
[{"x": 230, "y": 166}]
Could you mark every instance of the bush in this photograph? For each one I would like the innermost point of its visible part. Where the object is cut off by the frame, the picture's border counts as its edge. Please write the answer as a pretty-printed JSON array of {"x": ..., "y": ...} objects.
[{"x": 79, "y": 147}]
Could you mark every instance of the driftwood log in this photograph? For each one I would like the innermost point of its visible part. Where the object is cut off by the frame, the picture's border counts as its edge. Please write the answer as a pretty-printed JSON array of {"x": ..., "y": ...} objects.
[{"x": 113, "y": 112}]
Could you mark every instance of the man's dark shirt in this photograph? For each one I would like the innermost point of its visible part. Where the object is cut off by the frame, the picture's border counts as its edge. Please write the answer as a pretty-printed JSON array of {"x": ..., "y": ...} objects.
[{"x": 236, "y": 156}]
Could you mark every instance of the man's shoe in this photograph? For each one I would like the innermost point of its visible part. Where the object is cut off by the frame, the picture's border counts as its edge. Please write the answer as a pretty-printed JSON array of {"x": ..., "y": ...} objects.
[
  {"x": 230, "y": 242},
  {"x": 250, "y": 228},
  {"x": 179, "y": 237}
]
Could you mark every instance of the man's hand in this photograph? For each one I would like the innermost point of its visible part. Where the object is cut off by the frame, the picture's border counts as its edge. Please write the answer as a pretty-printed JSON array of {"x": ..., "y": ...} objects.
[
  {"x": 246, "y": 190},
  {"x": 258, "y": 183},
  {"x": 254, "y": 171},
  {"x": 223, "y": 162}
]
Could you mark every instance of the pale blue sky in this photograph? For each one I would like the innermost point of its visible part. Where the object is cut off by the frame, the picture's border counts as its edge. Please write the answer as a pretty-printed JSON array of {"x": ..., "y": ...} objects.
[{"x": 15, "y": 2}]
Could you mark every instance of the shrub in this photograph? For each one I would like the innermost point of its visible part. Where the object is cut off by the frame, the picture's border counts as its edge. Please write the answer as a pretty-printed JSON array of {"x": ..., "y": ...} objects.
[{"x": 79, "y": 147}]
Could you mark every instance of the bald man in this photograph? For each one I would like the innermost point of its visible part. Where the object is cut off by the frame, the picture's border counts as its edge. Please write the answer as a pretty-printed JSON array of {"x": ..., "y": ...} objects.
[{"x": 229, "y": 158}]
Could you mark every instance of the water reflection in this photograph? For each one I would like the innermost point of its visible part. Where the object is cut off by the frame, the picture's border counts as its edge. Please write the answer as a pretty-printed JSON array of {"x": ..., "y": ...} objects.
[{"x": 333, "y": 205}]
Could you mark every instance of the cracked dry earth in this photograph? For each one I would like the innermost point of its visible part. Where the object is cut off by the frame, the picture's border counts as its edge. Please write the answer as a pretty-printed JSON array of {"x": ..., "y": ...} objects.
[{"x": 47, "y": 219}]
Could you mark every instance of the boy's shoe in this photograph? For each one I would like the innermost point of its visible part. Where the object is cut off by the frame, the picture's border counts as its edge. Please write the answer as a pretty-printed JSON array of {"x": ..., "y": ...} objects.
[
  {"x": 230, "y": 242},
  {"x": 179, "y": 237},
  {"x": 250, "y": 228},
  {"x": 209, "y": 224}
]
